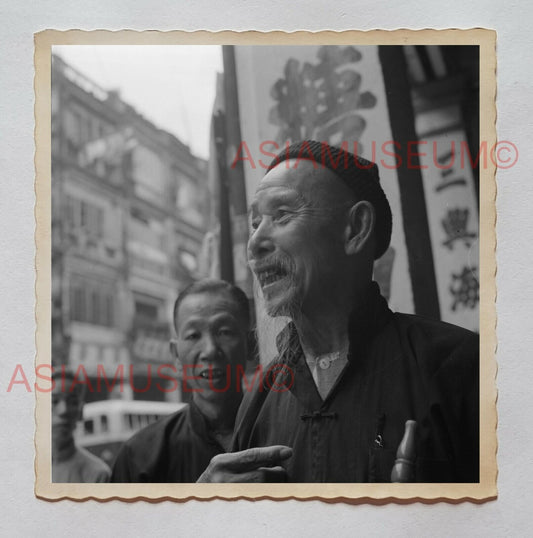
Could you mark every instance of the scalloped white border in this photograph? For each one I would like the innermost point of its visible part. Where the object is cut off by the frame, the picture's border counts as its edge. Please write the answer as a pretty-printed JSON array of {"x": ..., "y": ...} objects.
[{"x": 348, "y": 493}]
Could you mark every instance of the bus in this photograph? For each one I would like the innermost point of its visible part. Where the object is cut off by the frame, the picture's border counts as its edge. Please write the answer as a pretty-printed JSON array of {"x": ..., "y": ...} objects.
[{"x": 107, "y": 424}]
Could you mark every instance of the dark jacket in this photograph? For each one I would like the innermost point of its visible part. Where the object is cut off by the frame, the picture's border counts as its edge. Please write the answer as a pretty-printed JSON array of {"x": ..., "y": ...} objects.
[
  {"x": 400, "y": 367},
  {"x": 177, "y": 448}
]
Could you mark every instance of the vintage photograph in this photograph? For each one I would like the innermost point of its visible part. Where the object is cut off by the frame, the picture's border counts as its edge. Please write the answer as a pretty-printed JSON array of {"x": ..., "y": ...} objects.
[{"x": 266, "y": 265}]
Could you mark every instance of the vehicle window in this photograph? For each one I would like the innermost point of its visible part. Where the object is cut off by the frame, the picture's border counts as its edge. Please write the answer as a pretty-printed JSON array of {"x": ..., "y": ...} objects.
[
  {"x": 104, "y": 424},
  {"x": 128, "y": 421},
  {"x": 88, "y": 426}
]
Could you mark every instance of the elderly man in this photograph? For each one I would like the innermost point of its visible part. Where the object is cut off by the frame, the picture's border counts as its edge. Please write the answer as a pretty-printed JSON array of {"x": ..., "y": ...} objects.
[
  {"x": 355, "y": 372},
  {"x": 71, "y": 463},
  {"x": 212, "y": 323}
]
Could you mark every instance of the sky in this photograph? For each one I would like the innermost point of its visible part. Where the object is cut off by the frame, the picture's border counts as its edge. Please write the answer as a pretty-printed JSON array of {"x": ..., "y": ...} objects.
[{"x": 173, "y": 86}]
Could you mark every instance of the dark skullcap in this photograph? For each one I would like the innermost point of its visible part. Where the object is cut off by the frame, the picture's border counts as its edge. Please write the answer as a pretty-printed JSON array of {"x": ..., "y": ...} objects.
[{"x": 360, "y": 175}]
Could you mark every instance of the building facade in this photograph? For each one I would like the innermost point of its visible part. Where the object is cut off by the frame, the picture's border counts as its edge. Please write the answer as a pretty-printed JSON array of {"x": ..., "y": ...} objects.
[{"x": 129, "y": 203}]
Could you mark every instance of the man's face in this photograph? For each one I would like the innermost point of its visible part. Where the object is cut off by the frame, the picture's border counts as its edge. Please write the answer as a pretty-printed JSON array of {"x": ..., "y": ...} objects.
[
  {"x": 66, "y": 409},
  {"x": 296, "y": 243},
  {"x": 212, "y": 343}
]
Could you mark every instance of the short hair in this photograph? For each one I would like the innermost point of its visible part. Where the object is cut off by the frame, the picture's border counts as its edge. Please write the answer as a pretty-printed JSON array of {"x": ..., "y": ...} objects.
[
  {"x": 209, "y": 285},
  {"x": 358, "y": 174}
]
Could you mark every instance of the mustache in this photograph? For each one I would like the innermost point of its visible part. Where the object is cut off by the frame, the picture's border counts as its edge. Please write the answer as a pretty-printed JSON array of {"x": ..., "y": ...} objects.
[
  {"x": 276, "y": 260},
  {"x": 285, "y": 265}
]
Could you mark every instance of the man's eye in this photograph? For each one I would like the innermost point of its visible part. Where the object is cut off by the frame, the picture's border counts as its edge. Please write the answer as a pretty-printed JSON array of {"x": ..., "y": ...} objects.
[
  {"x": 191, "y": 337},
  {"x": 254, "y": 224},
  {"x": 225, "y": 332},
  {"x": 281, "y": 215}
]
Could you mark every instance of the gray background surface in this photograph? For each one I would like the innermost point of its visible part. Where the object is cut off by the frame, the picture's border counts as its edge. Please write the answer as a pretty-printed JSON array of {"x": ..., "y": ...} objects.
[{"x": 510, "y": 515}]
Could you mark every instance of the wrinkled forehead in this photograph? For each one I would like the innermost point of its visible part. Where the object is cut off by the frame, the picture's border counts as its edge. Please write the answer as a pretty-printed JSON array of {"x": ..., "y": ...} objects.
[
  {"x": 307, "y": 179},
  {"x": 204, "y": 306}
]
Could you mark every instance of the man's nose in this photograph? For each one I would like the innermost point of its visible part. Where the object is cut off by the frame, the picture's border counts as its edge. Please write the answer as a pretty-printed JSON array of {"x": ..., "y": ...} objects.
[
  {"x": 260, "y": 243},
  {"x": 210, "y": 349}
]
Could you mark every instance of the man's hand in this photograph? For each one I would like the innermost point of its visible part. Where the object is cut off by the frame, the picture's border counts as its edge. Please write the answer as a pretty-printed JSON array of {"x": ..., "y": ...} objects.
[{"x": 261, "y": 464}]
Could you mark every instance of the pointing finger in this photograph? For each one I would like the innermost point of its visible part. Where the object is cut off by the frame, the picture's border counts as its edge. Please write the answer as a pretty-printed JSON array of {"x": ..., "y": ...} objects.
[{"x": 253, "y": 458}]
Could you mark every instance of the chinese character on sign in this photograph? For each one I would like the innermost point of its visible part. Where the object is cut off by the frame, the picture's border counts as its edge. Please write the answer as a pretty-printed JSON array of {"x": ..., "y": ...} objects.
[
  {"x": 455, "y": 226},
  {"x": 465, "y": 288},
  {"x": 320, "y": 100},
  {"x": 449, "y": 177}
]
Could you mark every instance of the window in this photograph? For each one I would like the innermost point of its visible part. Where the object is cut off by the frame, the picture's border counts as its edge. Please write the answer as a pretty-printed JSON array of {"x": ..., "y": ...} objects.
[
  {"x": 88, "y": 427},
  {"x": 127, "y": 421},
  {"x": 104, "y": 424},
  {"x": 188, "y": 201},
  {"x": 147, "y": 230},
  {"x": 146, "y": 310},
  {"x": 94, "y": 310},
  {"x": 91, "y": 302},
  {"x": 149, "y": 175},
  {"x": 77, "y": 128},
  {"x": 109, "y": 311},
  {"x": 85, "y": 216},
  {"x": 77, "y": 303}
]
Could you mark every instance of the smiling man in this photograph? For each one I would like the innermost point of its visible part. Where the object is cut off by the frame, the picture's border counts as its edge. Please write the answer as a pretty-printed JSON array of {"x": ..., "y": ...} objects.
[
  {"x": 319, "y": 221},
  {"x": 212, "y": 323}
]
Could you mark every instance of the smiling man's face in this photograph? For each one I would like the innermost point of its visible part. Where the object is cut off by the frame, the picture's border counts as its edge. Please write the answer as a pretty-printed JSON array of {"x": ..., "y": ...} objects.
[
  {"x": 297, "y": 237},
  {"x": 211, "y": 343}
]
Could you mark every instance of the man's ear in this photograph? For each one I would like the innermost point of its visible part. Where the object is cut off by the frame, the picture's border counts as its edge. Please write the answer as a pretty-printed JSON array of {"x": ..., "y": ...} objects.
[
  {"x": 361, "y": 221},
  {"x": 173, "y": 344}
]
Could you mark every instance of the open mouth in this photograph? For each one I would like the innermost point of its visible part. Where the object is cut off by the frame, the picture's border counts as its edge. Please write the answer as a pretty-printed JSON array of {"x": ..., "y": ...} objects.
[
  {"x": 270, "y": 275},
  {"x": 213, "y": 373}
]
